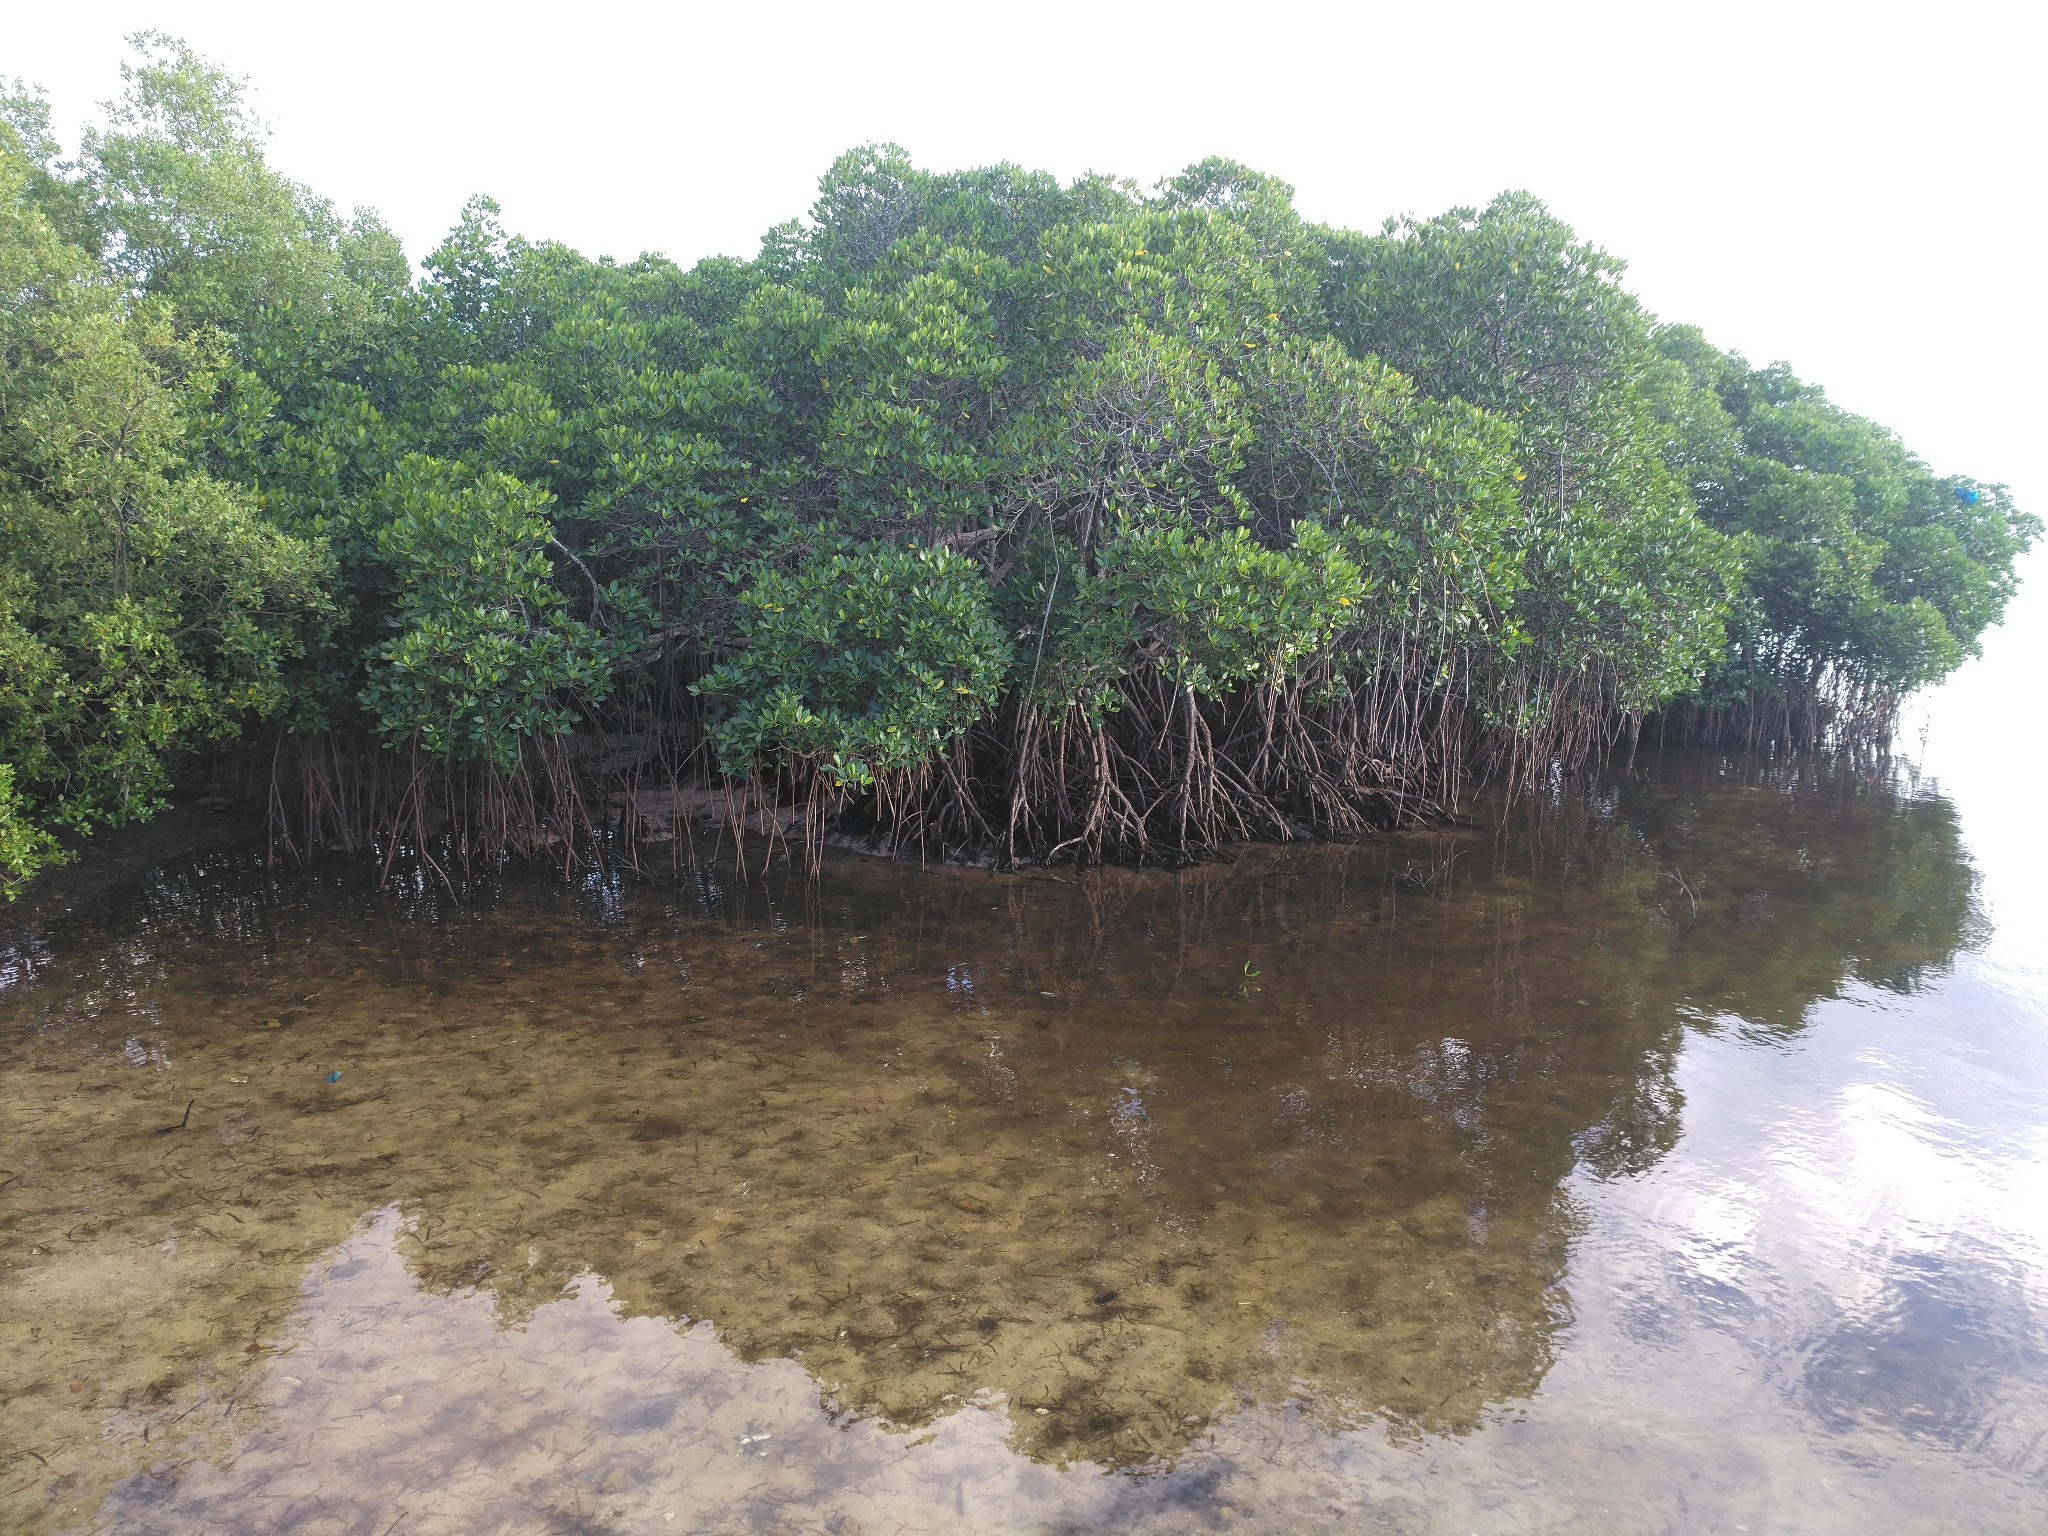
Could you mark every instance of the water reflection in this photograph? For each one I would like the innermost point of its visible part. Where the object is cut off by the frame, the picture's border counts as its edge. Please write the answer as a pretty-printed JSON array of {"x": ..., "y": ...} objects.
[{"x": 1025, "y": 1202}]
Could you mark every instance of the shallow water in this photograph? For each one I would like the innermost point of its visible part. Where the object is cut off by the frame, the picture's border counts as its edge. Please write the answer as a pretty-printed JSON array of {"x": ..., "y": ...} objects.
[{"x": 1671, "y": 1161}]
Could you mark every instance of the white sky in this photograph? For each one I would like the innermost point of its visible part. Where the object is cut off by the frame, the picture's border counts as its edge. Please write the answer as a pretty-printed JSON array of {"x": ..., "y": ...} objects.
[{"x": 1857, "y": 188}]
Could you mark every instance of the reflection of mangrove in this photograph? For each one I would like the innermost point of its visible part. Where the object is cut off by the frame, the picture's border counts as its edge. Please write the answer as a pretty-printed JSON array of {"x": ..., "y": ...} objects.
[
  {"x": 1756, "y": 893},
  {"x": 1128, "y": 1150}
]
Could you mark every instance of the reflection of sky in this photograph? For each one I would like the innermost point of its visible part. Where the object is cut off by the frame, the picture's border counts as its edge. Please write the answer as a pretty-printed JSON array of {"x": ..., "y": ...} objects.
[
  {"x": 1862, "y": 1215},
  {"x": 387, "y": 1398},
  {"x": 1830, "y": 1403}
]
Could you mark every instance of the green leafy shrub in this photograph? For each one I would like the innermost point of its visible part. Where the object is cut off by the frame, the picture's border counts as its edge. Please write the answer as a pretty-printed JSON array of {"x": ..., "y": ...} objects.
[
  {"x": 145, "y": 607},
  {"x": 858, "y": 664}
]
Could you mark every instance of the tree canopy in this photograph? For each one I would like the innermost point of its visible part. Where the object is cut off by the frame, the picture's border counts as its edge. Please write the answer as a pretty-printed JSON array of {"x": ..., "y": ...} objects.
[{"x": 977, "y": 509}]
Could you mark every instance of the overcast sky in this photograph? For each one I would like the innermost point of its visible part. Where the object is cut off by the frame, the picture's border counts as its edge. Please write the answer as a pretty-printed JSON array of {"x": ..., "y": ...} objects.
[{"x": 1858, "y": 189}]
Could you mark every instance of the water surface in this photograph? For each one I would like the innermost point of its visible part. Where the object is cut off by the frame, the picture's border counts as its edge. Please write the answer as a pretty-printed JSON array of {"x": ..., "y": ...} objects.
[{"x": 1669, "y": 1161}]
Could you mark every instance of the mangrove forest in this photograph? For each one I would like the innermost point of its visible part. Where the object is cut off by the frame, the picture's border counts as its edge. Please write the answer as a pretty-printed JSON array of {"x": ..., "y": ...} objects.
[{"x": 979, "y": 515}]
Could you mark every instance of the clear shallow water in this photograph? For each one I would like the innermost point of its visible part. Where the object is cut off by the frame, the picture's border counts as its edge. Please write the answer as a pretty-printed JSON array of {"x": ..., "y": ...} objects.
[{"x": 1676, "y": 1162}]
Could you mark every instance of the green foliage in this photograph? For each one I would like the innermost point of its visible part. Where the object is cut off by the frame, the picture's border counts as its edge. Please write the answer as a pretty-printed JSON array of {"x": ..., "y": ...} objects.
[
  {"x": 1866, "y": 572},
  {"x": 144, "y": 606},
  {"x": 180, "y": 203},
  {"x": 960, "y": 466},
  {"x": 1505, "y": 309},
  {"x": 859, "y": 664},
  {"x": 1216, "y": 611},
  {"x": 485, "y": 656},
  {"x": 25, "y": 846}
]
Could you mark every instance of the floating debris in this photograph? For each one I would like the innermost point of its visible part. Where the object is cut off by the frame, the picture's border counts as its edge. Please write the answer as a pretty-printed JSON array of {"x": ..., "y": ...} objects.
[{"x": 165, "y": 1130}]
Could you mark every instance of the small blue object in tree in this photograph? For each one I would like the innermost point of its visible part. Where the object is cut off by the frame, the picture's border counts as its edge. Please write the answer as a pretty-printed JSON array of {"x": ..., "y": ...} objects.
[{"x": 1966, "y": 495}]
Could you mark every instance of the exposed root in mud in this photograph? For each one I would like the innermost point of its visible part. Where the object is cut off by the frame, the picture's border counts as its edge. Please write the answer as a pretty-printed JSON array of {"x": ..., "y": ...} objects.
[{"x": 1148, "y": 771}]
